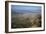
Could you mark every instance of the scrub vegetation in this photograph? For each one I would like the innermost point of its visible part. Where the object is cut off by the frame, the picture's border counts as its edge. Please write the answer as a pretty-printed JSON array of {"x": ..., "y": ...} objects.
[{"x": 26, "y": 20}]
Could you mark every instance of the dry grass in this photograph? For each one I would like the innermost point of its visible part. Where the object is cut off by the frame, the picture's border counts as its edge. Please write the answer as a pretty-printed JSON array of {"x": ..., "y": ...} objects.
[{"x": 26, "y": 21}]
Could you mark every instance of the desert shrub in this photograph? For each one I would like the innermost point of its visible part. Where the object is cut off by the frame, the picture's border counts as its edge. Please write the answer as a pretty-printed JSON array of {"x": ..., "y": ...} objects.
[
  {"x": 36, "y": 21},
  {"x": 21, "y": 22}
]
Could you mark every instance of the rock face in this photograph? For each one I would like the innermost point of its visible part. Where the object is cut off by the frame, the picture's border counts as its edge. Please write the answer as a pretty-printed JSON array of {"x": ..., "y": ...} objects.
[{"x": 26, "y": 20}]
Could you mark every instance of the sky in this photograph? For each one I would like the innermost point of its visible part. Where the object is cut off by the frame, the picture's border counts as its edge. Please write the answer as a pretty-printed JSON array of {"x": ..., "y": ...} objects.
[{"x": 25, "y": 9}]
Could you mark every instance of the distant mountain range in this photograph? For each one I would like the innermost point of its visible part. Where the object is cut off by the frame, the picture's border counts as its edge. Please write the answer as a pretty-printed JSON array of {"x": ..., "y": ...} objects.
[{"x": 14, "y": 12}]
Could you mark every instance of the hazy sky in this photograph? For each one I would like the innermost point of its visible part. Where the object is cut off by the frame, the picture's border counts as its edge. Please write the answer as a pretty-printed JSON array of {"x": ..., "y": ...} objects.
[{"x": 25, "y": 9}]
